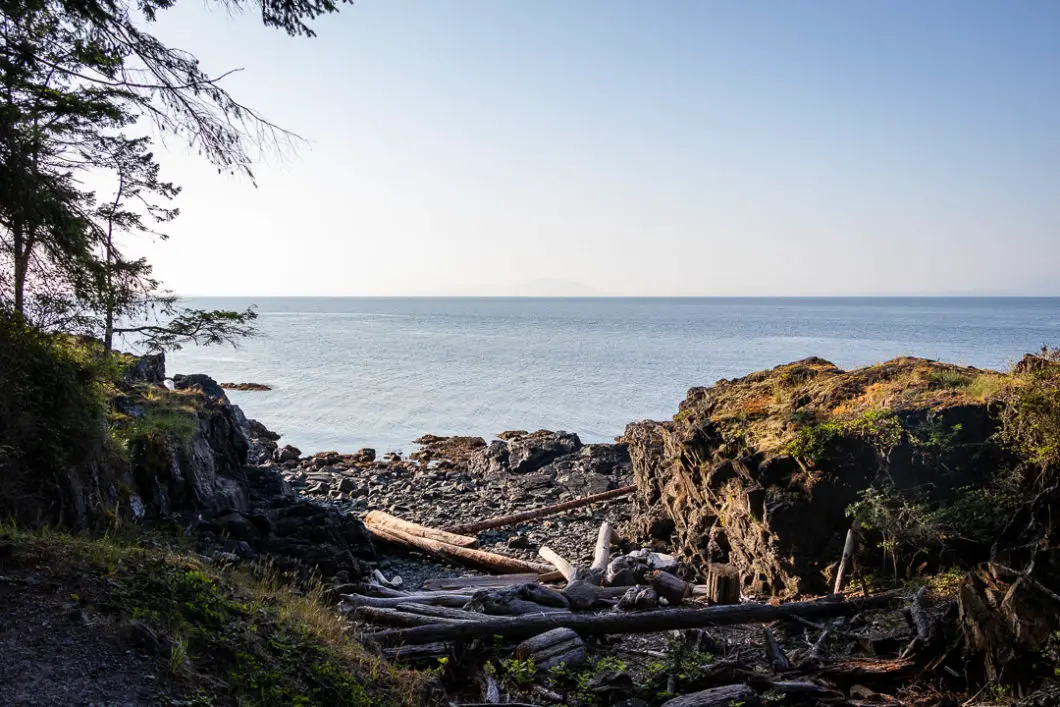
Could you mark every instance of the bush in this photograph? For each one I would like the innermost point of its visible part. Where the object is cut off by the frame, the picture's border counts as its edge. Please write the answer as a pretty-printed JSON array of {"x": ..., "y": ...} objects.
[
  {"x": 1031, "y": 414},
  {"x": 51, "y": 416}
]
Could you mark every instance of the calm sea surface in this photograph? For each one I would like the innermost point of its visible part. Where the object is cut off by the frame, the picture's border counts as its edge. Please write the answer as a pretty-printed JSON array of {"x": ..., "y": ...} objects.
[{"x": 353, "y": 372}]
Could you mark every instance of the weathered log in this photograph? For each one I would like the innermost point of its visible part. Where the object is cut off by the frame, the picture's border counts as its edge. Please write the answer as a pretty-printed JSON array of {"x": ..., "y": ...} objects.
[
  {"x": 542, "y": 641},
  {"x": 553, "y": 558},
  {"x": 602, "y": 553},
  {"x": 393, "y": 617},
  {"x": 379, "y": 519},
  {"x": 435, "y": 598},
  {"x": 443, "y": 611},
  {"x": 777, "y": 658},
  {"x": 639, "y": 598},
  {"x": 517, "y": 601},
  {"x": 447, "y": 584},
  {"x": 674, "y": 589},
  {"x": 722, "y": 585},
  {"x": 644, "y": 622},
  {"x": 428, "y": 652},
  {"x": 460, "y": 555},
  {"x": 376, "y": 590},
  {"x": 725, "y": 696},
  {"x": 502, "y": 521},
  {"x": 847, "y": 558},
  {"x": 574, "y": 656}
]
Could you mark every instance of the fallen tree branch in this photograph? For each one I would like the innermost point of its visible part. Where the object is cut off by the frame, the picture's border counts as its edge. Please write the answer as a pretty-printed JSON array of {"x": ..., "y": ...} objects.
[
  {"x": 379, "y": 519},
  {"x": 502, "y": 521},
  {"x": 642, "y": 622}
]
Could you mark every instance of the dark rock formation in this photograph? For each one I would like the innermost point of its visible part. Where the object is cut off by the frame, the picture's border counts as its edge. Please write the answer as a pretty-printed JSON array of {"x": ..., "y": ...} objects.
[
  {"x": 237, "y": 507},
  {"x": 148, "y": 369},
  {"x": 532, "y": 452},
  {"x": 759, "y": 472},
  {"x": 202, "y": 382}
]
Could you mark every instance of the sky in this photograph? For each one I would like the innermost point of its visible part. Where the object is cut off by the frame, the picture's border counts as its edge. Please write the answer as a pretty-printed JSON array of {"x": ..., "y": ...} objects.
[{"x": 492, "y": 147}]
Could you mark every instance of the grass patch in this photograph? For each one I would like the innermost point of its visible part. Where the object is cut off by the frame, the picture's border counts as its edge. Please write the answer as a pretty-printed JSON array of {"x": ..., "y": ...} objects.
[
  {"x": 235, "y": 635},
  {"x": 987, "y": 386},
  {"x": 947, "y": 378}
]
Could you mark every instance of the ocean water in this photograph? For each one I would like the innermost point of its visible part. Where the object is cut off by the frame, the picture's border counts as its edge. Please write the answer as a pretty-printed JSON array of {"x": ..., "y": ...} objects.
[{"x": 379, "y": 372}]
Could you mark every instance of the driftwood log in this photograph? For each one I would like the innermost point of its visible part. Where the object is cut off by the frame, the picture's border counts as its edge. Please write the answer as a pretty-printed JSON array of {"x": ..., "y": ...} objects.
[
  {"x": 435, "y": 598},
  {"x": 443, "y": 611},
  {"x": 379, "y": 519},
  {"x": 560, "y": 646},
  {"x": 725, "y": 696},
  {"x": 448, "y": 584},
  {"x": 602, "y": 553},
  {"x": 672, "y": 588},
  {"x": 460, "y": 555},
  {"x": 517, "y": 601},
  {"x": 644, "y": 622},
  {"x": 848, "y": 557},
  {"x": 553, "y": 558},
  {"x": 428, "y": 652},
  {"x": 722, "y": 585},
  {"x": 393, "y": 617},
  {"x": 503, "y": 521}
]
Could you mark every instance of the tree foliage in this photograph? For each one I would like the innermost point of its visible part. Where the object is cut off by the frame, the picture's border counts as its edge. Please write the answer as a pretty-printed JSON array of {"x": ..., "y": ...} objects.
[{"x": 79, "y": 82}]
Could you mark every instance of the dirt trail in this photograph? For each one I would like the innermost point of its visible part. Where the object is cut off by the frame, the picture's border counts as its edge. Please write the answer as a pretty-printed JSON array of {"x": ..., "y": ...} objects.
[{"x": 55, "y": 654}]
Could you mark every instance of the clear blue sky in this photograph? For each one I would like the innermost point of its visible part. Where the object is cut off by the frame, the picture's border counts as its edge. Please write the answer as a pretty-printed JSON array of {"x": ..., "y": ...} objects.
[{"x": 639, "y": 148}]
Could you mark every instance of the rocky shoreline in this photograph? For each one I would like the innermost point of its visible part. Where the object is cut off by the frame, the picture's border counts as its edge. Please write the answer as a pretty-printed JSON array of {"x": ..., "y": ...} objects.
[{"x": 452, "y": 480}]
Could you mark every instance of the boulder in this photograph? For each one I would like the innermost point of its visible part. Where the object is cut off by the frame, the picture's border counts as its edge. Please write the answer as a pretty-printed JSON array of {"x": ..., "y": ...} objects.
[
  {"x": 526, "y": 454},
  {"x": 150, "y": 368},
  {"x": 286, "y": 453},
  {"x": 202, "y": 382},
  {"x": 489, "y": 461}
]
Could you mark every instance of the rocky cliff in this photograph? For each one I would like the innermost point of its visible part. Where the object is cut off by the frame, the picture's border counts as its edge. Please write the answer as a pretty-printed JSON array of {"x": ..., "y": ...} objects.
[{"x": 763, "y": 473}]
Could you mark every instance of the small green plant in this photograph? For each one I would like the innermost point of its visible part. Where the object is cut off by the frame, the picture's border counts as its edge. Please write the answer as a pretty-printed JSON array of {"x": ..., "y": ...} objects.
[
  {"x": 881, "y": 429},
  {"x": 178, "y": 657},
  {"x": 947, "y": 378},
  {"x": 519, "y": 673}
]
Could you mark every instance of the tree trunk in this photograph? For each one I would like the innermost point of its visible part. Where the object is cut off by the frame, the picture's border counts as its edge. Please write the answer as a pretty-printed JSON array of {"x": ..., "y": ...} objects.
[{"x": 644, "y": 622}]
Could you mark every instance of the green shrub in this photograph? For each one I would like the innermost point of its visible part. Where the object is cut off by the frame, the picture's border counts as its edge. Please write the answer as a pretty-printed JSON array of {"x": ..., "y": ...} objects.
[
  {"x": 51, "y": 416},
  {"x": 1031, "y": 416}
]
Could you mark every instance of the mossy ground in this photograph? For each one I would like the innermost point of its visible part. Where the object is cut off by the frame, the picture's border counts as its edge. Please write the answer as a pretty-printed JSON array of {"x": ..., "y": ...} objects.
[
  {"x": 769, "y": 410},
  {"x": 232, "y": 635}
]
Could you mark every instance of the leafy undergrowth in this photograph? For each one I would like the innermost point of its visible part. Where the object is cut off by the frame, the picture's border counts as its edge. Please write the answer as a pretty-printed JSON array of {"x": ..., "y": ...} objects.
[{"x": 232, "y": 635}]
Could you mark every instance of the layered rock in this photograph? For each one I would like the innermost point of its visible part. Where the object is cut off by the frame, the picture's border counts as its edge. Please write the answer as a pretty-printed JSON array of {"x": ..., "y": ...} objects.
[
  {"x": 203, "y": 466},
  {"x": 760, "y": 472}
]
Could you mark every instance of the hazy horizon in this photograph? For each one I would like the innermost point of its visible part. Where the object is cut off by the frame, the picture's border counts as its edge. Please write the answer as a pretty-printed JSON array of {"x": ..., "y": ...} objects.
[{"x": 613, "y": 149}]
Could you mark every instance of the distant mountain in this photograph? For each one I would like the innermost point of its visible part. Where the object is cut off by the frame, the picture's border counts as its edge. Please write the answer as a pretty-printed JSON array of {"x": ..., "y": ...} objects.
[{"x": 542, "y": 287}]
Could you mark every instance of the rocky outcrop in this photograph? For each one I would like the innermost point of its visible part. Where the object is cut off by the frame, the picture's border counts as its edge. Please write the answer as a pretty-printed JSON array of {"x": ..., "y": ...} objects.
[
  {"x": 760, "y": 472},
  {"x": 195, "y": 457}
]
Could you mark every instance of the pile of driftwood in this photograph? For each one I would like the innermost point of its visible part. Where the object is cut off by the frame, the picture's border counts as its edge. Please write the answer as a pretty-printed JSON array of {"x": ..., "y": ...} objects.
[{"x": 546, "y": 612}]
